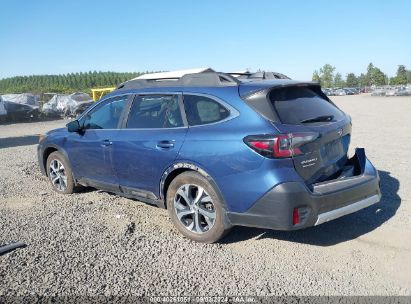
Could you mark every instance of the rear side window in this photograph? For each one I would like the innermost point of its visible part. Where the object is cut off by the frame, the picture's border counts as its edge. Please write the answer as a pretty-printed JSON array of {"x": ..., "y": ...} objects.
[
  {"x": 294, "y": 105},
  {"x": 155, "y": 111},
  {"x": 202, "y": 110}
]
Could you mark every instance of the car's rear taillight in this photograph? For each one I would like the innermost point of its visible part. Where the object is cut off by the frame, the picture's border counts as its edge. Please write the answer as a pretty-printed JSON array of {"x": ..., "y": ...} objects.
[{"x": 280, "y": 145}]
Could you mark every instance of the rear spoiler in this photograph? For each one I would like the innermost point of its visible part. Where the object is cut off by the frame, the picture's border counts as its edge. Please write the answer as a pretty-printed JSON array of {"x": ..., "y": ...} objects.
[{"x": 249, "y": 88}]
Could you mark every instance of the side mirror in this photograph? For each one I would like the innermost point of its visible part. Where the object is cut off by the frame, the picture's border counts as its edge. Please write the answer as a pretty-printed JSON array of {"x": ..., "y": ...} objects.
[{"x": 73, "y": 126}]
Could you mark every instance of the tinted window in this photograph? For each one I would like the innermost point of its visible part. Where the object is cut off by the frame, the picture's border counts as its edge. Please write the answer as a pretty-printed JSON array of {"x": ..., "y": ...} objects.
[
  {"x": 296, "y": 104},
  {"x": 202, "y": 110},
  {"x": 106, "y": 116},
  {"x": 155, "y": 111}
]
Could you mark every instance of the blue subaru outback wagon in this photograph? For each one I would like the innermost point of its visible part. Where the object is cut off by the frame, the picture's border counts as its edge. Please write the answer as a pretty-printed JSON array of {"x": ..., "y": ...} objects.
[{"x": 217, "y": 151}]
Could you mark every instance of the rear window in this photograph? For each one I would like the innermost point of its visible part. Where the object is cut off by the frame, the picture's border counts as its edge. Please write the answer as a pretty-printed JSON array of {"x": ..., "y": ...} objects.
[{"x": 297, "y": 104}]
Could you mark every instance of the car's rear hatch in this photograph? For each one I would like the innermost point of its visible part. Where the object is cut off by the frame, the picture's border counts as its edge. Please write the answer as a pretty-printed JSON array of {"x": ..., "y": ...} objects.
[{"x": 319, "y": 129}]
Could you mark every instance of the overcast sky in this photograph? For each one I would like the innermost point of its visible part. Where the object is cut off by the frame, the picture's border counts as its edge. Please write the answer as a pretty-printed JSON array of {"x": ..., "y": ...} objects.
[{"x": 291, "y": 37}]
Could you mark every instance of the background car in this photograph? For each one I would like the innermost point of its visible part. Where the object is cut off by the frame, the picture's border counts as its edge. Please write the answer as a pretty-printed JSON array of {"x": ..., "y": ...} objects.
[
  {"x": 340, "y": 92},
  {"x": 3, "y": 112},
  {"x": 378, "y": 92},
  {"x": 19, "y": 112}
]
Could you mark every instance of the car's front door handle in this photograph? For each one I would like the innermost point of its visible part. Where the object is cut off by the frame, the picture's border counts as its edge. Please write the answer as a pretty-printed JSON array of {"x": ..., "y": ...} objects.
[
  {"x": 165, "y": 144},
  {"x": 106, "y": 143}
]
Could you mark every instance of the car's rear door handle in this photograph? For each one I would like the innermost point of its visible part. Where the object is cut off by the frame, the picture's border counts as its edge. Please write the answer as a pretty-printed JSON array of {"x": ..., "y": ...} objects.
[
  {"x": 106, "y": 143},
  {"x": 165, "y": 144}
]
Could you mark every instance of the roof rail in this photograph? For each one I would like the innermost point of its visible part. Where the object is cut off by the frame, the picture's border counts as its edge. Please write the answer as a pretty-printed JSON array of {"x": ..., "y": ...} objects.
[
  {"x": 173, "y": 74},
  {"x": 241, "y": 73},
  {"x": 202, "y": 79},
  {"x": 265, "y": 75}
]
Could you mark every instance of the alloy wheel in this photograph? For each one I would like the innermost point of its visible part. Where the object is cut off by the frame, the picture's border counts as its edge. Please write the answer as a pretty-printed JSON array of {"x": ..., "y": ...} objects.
[
  {"x": 194, "y": 208},
  {"x": 57, "y": 175}
]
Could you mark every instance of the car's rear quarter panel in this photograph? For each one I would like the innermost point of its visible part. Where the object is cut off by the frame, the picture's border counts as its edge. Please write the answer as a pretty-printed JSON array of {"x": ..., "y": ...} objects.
[{"x": 241, "y": 174}]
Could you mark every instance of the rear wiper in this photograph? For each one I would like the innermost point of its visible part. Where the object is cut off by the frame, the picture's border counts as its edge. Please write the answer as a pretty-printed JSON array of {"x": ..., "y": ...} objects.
[{"x": 318, "y": 119}]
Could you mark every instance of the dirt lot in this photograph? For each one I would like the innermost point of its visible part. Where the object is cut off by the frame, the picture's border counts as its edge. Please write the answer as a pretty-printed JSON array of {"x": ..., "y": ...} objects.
[{"x": 81, "y": 243}]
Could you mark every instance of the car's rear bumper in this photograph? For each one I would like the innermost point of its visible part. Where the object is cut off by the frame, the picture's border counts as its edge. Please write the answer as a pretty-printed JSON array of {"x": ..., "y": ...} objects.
[
  {"x": 354, "y": 207},
  {"x": 317, "y": 204}
]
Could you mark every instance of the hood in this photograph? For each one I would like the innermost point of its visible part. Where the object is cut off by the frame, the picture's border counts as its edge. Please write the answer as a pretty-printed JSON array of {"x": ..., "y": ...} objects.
[{"x": 59, "y": 130}]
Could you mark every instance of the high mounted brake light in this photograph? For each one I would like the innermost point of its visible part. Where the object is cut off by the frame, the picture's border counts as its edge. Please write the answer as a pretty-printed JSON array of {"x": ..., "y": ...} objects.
[{"x": 280, "y": 145}]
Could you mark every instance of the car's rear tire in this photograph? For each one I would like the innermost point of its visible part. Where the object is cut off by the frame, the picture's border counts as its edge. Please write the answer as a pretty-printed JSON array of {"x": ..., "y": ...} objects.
[
  {"x": 59, "y": 173},
  {"x": 195, "y": 208}
]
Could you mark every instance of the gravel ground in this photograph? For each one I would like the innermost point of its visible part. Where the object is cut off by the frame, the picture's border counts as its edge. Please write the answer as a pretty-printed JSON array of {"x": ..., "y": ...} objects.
[{"x": 95, "y": 243}]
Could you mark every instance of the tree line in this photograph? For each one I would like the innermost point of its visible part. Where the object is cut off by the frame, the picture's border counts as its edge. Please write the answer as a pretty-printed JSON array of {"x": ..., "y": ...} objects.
[
  {"x": 373, "y": 76},
  {"x": 73, "y": 82},
  {"x": 66, "y": 83}
]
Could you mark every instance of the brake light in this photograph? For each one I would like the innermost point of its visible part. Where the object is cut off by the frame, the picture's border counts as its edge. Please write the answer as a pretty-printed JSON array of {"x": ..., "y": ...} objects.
[
  {"x": 261, "y": 144},
  {"x": 281, "y": 145}
]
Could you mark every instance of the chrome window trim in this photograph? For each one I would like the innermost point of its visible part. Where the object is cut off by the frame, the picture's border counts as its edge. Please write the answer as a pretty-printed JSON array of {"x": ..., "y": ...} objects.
[
  {"x": 139, "y": 129},
  {"x": 233, "y": 112}
]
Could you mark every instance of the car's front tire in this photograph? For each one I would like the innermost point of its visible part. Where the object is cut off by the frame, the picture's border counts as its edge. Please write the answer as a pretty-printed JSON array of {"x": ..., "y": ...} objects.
[
  {"x": 195, "y": 208},
  {"x": 59, "y": 173}
]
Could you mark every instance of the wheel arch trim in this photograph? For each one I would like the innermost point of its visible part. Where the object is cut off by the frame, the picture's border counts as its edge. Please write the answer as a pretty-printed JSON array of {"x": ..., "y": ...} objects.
[
  {"x": 58, "y": 149},
  {"x": 190, "y": 166}
]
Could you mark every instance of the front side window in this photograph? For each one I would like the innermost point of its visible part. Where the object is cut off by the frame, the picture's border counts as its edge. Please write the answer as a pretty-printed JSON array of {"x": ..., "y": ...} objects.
[
  {"x": 155, "y": 111},
  {"x": 106, "y": 116},
  {"x": 202, "y": 110}
]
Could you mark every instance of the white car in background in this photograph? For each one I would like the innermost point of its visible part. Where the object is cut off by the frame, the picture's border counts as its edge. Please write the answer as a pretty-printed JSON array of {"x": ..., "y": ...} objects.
[
  {"x": 340, "y": 92},
  {"x": 391, "y": 92}
]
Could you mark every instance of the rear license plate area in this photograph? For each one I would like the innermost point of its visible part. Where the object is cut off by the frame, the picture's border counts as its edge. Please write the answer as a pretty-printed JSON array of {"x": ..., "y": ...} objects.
[{"x": 336, "y": 148}]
